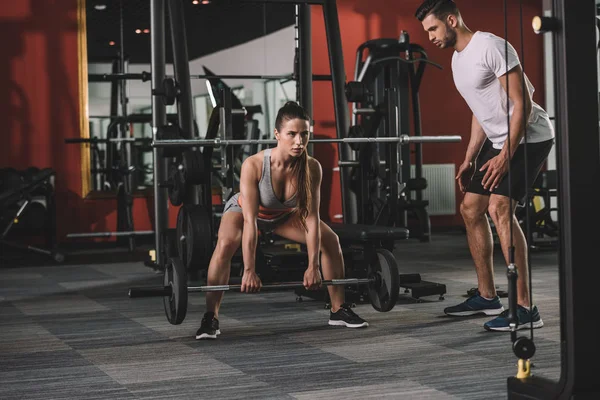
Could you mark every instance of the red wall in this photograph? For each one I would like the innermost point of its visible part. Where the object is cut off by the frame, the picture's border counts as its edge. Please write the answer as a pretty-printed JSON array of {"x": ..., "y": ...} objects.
[
  {"x": 39, "y": 108},
  {"x": 443, "y": 109},
  {"x": 39, "y": 91}
]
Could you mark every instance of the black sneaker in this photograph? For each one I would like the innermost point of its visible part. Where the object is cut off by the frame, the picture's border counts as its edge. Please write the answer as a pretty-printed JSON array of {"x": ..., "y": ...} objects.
[
  {"x": 346, "y": 317},
  {"x": 209, "y": 327}
]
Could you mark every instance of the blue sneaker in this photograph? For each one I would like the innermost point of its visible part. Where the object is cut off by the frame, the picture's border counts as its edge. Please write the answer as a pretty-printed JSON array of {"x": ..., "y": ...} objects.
[
  {"x": 525, "y": 318},
  {"x": 476, "y": 305}
]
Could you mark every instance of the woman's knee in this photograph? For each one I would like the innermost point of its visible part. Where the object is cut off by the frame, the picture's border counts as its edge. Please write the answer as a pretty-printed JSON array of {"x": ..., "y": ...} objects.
[{"x": 227, "y": 246}]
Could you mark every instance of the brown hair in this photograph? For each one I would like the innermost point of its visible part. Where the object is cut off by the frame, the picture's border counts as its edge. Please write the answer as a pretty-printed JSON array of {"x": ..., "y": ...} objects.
[
  {"x": 292, "y": 110},
  {"x": 439, "y": 8}
]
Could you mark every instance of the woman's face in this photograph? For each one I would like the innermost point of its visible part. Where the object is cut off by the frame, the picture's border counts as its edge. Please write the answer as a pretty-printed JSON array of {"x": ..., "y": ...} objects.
[{"x": 293, "y": 137}]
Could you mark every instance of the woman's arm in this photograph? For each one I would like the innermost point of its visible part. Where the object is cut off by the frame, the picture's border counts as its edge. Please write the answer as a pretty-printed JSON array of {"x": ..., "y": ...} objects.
[
  {"x": 249, "y": 178},
  {"x": 313, "y": 220}
]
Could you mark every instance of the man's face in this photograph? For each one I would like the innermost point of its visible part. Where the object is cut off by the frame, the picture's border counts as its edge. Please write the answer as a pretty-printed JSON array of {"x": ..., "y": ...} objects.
[{"x": 441, "y": 33}]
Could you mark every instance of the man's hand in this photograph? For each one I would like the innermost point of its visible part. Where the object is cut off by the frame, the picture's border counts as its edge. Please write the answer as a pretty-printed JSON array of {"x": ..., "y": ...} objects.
[
  {"x": 495, "y": 169},
  {"x": 312, "y": 279},
  {"x": 465, "y": 172},
  {"x": 250, "y": 282}
]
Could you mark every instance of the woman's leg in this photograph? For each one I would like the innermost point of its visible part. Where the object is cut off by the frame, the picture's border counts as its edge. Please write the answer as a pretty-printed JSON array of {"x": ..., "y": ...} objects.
[
  {"x": 332, "y": 260},
  {"x": 229, "y": 239}
]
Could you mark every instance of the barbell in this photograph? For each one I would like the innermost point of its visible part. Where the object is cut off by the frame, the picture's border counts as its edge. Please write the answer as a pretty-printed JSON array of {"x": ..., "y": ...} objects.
[
  {"x": 383, "y": 286},
  {"x": 146, "y": 76},
  {"x": 217, "y": 142}
]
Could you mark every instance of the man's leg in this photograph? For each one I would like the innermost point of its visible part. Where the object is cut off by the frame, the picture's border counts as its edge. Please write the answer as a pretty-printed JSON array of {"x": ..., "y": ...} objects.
[
  {"x": 481, "y": 243},
  {"x": 479, "y": 236},
  {"x": 502, "y": 213}
]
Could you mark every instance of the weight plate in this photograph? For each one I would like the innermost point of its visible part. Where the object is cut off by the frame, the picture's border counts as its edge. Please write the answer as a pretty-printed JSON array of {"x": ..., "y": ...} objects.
[
  {"x": 383, "y": 292},
  {"x": 176, "y": 185},
  {"x": 175, "y": 276},
  {"x": 356, "y": 131},
  {"x": 193, "y": 167},
  {"x": 170, "y": 132},
  {"x": 524, "y": 348},
  {"x": 168, "y": 239},
  {"x": 194, "y": 236}
]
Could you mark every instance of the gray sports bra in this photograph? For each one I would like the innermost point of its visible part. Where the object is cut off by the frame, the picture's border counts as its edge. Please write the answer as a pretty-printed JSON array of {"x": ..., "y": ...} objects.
[{"x": 267, "y": 196}]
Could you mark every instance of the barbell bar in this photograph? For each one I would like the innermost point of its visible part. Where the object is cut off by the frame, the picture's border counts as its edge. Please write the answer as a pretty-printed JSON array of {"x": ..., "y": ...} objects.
[
  {"x": 383, "y": 285},
  {"x": 164, "y": 291},
  {"x": 108, "y": 140},
  {"x": 145, "y": 76},
  {"x": 402, "y": 139},
  {"x": 108, "y": 234}
]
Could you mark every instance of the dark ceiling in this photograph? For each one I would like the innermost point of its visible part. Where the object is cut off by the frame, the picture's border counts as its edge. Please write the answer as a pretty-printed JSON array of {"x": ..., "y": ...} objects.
[{"x": 209, "y": 27}]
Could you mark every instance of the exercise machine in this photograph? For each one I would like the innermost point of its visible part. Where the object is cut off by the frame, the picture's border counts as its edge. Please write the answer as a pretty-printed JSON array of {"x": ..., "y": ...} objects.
[{"x": 385, "y": 89}]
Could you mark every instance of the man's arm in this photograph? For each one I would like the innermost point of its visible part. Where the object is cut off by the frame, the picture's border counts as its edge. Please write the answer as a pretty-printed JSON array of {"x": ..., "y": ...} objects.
[
  {"x": 513, "y": 85},
  {"x": 250, "y": 200},
  {"x": 476, "y": 140},
  {"x": 313, "y": 220},
  {"x": 497, "y": 167}
]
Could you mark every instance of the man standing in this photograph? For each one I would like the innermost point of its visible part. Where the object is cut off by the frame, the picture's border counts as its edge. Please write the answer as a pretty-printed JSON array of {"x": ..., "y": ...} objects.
[{"x": 488, "y": 74}]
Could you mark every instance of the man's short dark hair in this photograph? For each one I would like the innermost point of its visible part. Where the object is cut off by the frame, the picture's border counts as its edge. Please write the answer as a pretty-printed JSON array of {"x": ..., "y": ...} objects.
[{"x": 439, "y": 8}]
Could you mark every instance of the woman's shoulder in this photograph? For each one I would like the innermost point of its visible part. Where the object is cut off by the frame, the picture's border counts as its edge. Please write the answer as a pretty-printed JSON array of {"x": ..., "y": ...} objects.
[
  {"x": 314, "y": 165},
  {"x": 254, "y": 158},
  {"x": 254, "y": 162}
]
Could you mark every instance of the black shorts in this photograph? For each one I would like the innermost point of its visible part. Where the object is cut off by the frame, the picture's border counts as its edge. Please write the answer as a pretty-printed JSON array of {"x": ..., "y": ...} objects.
[{"x": 537, "y": 153}]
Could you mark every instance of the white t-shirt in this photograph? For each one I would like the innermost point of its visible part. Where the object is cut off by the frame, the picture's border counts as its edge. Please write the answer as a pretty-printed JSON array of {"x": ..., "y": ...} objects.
[{"x": 476, "y": 70}]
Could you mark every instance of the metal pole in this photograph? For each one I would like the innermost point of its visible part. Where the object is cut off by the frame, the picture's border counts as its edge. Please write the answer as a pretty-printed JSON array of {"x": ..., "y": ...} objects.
[
  {"x": 159, "y": 118},
  {"x": 578, "y": 167},
  {"x": 181, "y": 67},
  {"x": 305, "y": 61},
  {"x": 342, "y": 115},
  {"x": 402, "y": 139}
]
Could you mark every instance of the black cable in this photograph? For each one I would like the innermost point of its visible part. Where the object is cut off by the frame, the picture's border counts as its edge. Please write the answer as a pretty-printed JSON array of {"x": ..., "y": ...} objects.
[
  {"x": 525, "y": 121},
  {"x": 511, "y": 254}
]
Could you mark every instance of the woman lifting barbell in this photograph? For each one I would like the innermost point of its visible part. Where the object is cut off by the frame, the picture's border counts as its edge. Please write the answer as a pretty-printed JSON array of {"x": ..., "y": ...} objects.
[{"x": 279, "y": 193}]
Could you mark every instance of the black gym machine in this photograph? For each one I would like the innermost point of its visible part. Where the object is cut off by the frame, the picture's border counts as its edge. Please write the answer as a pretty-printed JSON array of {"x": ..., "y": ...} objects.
[
  {"x": 385, "y": 87},
  {"x": 28, "y": 209}
]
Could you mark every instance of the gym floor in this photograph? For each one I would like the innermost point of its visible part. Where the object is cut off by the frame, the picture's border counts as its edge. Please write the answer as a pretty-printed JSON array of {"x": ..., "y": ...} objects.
[{"x": 70, "y": 331}]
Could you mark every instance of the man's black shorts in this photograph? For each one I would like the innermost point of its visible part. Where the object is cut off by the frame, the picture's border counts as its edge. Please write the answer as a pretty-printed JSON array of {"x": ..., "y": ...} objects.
[{"x": 537, "y": 153}]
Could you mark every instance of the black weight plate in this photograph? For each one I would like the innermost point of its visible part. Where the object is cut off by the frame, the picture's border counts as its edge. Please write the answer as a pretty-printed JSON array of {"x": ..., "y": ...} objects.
[
  {"x": 193, "y": 167},
  {"x": 168, "y": 240},
  {"x": 175, "y": 276},
  {"x": 170, "y": 132},
  {"x": 356, "y": 131},
  {"x": 194, "y": 236},
  {"x": 169, "y": 93},
  {"x": 524, "y": 348},
  {"x": 383, "y": 292},
  {"x": 177, "y": 185}
]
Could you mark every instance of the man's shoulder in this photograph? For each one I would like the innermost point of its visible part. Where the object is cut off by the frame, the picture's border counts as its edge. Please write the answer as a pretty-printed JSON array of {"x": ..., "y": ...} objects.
[{"x": 490, "y": 39}]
